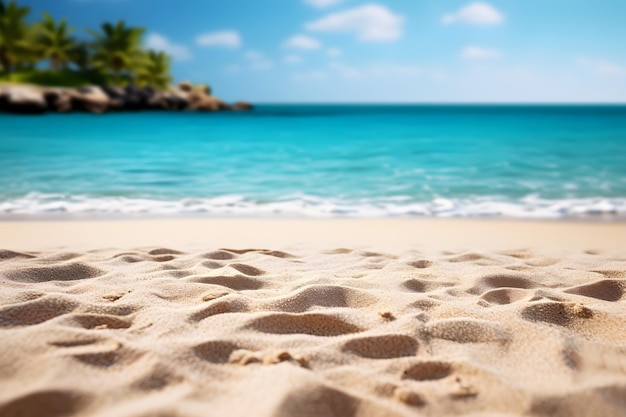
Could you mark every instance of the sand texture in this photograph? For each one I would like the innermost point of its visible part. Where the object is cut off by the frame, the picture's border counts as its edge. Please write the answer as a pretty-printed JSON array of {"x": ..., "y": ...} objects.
[{"x": 324, "y": 333}]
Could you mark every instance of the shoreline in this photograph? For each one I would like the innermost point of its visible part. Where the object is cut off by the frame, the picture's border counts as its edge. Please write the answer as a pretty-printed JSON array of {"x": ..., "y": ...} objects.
[
  {"x": 381, "y": 234},
  {"x": 30, "y": 99}
]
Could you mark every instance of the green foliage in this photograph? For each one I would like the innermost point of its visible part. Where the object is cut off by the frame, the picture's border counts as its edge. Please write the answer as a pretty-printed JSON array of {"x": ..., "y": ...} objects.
[
  {"x": 80, "y": 56},
  {"x": 155, "y": 70},
  {"x": 57, "y": 78},
  {"x": 114, "y": 55},
  {"x": 14, "y": 35},
  {"x": 53, "y": 41},
  {"x": 118, "y": 48}
]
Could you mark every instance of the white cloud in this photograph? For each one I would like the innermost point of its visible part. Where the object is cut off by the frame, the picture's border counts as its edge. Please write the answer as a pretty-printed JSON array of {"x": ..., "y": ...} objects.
[
  {"x": 225, "y": 38},
  {"x": 159, "y": 42},
  {"x": 292, "y": 59},
  {"x": 602, "y": 67},
  {"x": 321, "y": 4},
  {"x": 477, "y": 52},
  {"x": 375, "y": 71},
  {"x": 478, "y": 13},
  {"x": 258, "y": 61},
  {"x": 334, "y": 52},
  {"x": 302, "y": 42},
  {"x": 371, "y": 23}
]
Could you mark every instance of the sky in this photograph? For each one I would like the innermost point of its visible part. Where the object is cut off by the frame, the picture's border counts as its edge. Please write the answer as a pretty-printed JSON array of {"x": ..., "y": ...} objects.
[{"x": 391, "y": 51}]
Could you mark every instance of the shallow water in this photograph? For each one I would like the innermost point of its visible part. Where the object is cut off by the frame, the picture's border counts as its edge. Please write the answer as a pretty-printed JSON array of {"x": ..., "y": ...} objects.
[{"x": 362, "y": 161}]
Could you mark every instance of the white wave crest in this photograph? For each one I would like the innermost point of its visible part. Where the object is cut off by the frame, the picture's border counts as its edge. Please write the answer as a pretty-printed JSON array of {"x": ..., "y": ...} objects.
[{"x": 530, "y": 207}]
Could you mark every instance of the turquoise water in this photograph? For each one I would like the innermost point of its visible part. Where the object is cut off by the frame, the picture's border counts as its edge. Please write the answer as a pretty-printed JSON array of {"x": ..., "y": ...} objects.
[{"x": 321, "y": 161}]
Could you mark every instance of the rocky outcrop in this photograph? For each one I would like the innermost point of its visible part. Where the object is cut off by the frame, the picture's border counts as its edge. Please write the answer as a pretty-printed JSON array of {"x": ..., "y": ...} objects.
[
  {"x": 23, "y": 99},
  {"x": 242, "y": 106},
  {"x": 94, "y": 99}
]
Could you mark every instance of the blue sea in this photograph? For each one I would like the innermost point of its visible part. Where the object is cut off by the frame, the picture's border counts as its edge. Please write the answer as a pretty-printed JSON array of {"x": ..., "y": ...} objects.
[{"x": 542, "y": 162}]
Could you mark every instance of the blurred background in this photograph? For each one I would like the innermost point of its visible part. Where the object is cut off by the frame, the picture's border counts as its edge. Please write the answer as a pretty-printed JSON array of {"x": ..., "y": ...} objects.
[
  {"x": 375, "y": 51},
  {"x": 370, "y": 109}
]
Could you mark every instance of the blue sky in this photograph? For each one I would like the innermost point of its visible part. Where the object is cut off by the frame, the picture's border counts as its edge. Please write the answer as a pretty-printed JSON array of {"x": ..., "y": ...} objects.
[{"x": 381, "y": 50}]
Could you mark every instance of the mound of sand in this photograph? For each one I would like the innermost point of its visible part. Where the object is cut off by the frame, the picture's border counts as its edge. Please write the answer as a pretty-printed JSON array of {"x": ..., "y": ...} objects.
[{"x": 159, "y": 332}]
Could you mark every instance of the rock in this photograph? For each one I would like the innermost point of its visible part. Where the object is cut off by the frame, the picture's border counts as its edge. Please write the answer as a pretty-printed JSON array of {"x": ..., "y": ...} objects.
[
  {"x": 58, "y": 99},
  {"x": 93, "y": 100},
  {"x": 137, "y": 98},
  {"x": 178, "y": 101},
  {"x": 206, "y": 103},
  {"x": 199, "y": 100},
  {"x": 23, "y": 100},
  {"x": 242, "y": 106},
  {"x": 205, "y": 88},
  {"x": 117, "y": 96},
  {"x": 114, "y": 93},
  {"x": 185, "y": 86},
  {"x": 168, "y": 100},
  {"x": 159, "y": 101}
]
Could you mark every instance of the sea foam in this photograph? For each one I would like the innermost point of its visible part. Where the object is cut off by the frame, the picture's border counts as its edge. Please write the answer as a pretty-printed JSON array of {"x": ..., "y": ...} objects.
[{"x": 530, "y": 207}]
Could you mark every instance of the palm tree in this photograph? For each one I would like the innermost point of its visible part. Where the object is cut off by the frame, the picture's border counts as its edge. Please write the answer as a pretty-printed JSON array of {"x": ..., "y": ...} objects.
[
  {"x": 13, "y": 35},
  {"x": 53, "y": 42},
  {"x": 155, "y": 70},
  {"x": 118, "y": 48},
  {"x": 80, "y": 56}
]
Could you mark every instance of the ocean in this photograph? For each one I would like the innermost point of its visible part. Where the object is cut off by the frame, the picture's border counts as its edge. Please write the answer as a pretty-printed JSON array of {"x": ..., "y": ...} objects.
[{"x": 540, "y": 162}]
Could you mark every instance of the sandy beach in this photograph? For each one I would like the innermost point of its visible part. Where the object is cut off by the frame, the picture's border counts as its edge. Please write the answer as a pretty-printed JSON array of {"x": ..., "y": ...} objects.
[
  {"x": 362, "y": 209},
  {"x": 312, "y": 318}
]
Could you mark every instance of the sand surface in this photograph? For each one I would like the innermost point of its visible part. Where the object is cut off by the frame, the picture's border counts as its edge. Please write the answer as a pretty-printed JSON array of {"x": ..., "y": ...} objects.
[
  {"x": 297, "y": 331},
  {"x": 393, "y": 235}
]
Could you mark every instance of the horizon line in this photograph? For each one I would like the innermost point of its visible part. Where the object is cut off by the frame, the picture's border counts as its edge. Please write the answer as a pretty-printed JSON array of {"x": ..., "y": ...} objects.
[{"x": 443, "y": 103}]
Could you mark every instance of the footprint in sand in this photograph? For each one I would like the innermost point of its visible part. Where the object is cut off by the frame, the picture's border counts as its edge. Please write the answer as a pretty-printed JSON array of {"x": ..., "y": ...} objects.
[
  {"x": 219, "y": 255},
  {"x": 494, "y": 281},
  {"x": 421, "y": 264},
  {"x": 37, "y": 311},
  {"x": 63, "y": 272},
  {"x": 561, "y": 314},
  {"x": 322, "y": 296},
  {"x": 213, "y": 309},
  {"x": 216, "y": 351},
  {"x": 49, "y": 403},
  {"x": 382, "y": 347},
  {"x": 164, "y": 251},
  {"x": 428, "y": 371},
  {"x": 423, "y": 285},
  {"x": 309, "y": 323},
  {"x": 247, "y": 269},
  {"x": 607, "y": 290},
  {"x": 5, "y": 255},
  {"x": 237, "y": 282},
  {"x": 466, "y": 331},
  {"x": 504, "y": 296}
]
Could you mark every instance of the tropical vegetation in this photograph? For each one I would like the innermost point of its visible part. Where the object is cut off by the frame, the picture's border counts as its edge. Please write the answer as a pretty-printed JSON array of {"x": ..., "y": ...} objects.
[{"x": 49, "y": 52}]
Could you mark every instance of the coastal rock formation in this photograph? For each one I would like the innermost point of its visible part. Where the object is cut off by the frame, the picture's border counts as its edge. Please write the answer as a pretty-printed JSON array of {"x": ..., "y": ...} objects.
[
  {"x": 242, "y": 106},
  {"x": 23, "y": 99},
  {"x": 93, "y": 100},
  {"x": 28, "y": 99}
]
